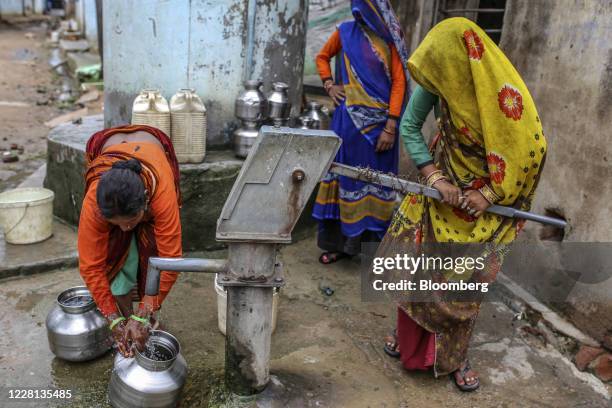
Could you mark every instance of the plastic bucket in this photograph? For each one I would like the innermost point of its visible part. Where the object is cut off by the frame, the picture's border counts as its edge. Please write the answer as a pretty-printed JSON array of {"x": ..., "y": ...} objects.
[
  {"x": 26, "y": 215},
  {"x": 222, "y": 306}
]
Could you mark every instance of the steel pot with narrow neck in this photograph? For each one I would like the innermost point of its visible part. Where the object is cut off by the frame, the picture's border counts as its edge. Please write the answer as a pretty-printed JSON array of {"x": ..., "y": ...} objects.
[
  {"x": 251, "y": 104},
  {"x": 153, "y": 378},
  {"x": 319, "y": 117},
  {"x": 306, "y": 122},
  {"x": 279, "y": 107},
  {"x": 76, "y": 330},
  {"x": 244, "y": 138}
]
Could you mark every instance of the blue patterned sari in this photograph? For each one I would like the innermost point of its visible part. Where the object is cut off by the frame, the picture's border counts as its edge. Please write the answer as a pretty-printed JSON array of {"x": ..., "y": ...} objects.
[{"x": 364, "y": 69}]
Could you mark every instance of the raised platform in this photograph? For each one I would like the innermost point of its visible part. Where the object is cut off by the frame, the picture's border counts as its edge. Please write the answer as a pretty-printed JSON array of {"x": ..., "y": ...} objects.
[{"x": 204, "y": 186}]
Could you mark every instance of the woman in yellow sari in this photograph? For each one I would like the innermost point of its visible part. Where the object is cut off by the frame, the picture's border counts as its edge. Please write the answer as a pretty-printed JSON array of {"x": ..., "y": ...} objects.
[{"x": 490, "y": 150}]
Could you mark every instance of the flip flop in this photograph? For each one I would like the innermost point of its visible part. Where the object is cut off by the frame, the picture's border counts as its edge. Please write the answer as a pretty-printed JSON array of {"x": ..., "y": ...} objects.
[
  {"x": 328, "y": 258},
  {"x": 391, "y": 348},
  {"x": 465, "y": 387}
]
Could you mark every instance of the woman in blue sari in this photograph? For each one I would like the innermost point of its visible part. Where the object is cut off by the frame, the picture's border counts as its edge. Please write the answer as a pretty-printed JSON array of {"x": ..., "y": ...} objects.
[{"x": 370, "y": 91}]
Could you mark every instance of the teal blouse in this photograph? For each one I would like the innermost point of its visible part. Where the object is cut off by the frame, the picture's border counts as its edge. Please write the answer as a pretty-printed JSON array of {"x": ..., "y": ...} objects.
[{"x": 420, "y": 104}]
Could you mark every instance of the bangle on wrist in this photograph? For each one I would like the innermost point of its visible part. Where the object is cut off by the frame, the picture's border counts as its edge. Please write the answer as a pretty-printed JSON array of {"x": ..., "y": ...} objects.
[
  {"x": 488, "y": 193},
  {"x": 140, "y": 319},
  {"x": 116, "y": 321},
  {"x": 434, "y": 177}
]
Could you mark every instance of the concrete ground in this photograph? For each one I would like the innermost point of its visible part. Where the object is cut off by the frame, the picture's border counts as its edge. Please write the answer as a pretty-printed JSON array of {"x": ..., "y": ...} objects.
[
  {"x": 326, "y": 351},
  {"x": 28, "y": 97}
]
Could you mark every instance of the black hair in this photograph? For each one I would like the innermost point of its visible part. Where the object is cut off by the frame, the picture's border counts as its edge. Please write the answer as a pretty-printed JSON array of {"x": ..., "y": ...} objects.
[{"x": 121, "y": 191}]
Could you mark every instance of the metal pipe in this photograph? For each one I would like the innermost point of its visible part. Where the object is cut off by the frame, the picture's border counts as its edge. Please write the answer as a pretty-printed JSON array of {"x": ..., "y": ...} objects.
[
  {"x": 156, "y": 265},
  {"x": 401, "y": 185},
  {"x": 249, "y": 319},
  {"x": 247, "y": 341},
  {"x": 251, "y": 13}
]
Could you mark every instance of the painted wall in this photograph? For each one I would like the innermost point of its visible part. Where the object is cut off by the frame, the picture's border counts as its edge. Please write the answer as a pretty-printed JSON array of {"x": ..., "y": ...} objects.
[
  {"x": 564, "y": 54},
  {"x": 199, "y": 44},
  {"x": 85, "y": 14},
  {"x": 20, "y": 7}
]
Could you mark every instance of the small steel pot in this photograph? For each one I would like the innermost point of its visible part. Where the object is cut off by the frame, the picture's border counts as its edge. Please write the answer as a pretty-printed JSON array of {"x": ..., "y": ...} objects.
[{"x": 76, "y": 330}]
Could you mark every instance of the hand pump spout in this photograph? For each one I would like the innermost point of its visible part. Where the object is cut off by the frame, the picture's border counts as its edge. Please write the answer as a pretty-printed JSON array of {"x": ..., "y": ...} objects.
[{"x": 156, "y": 265}]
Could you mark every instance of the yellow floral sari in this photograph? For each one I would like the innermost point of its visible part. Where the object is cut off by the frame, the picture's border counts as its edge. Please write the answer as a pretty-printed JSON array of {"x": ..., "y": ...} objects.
[{"x": 490, "y": 133}]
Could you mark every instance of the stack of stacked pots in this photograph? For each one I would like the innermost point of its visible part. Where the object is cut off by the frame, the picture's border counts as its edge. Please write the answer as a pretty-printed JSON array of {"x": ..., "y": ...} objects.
[
  {"x": 251, "y": 108},
  {"x": 319, "y": 119},
  {"x": 279, "y": 107}
]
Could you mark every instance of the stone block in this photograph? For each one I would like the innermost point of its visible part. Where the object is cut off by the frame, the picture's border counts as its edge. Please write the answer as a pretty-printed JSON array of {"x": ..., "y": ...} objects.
[
  {"x": 74, "y": 45},
  {"x": 602, "y": 367},
  {"x": 204, "y": 186},
  {"x": 585, "y": 355},
  {"x": 66, "y": 165}
]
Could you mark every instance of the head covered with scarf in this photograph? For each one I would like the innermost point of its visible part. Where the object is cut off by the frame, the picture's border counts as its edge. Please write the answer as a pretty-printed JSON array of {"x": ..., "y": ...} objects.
[
  {"x": 364, "y": 63},
  {"x": 99, "y": 161}
]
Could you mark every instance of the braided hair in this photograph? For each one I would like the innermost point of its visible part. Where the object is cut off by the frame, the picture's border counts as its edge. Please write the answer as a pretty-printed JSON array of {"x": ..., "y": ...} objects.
[{"x": 121, "y": 191}]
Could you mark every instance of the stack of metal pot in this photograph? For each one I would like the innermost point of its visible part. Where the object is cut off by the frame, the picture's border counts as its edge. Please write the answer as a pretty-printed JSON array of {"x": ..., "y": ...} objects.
[
  {"x": 306, "y": 123},
  {"x": 279, "y": 107},
  {"x": 153, "y": 378},
  {"x": 315, "y": 116},
  {"x": 76, "y": 330},
  {"x": 251, "y": 108}
]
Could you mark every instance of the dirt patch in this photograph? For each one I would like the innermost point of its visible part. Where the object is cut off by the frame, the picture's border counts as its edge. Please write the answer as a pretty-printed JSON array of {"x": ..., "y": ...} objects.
[{"x": 28, "y": 89}]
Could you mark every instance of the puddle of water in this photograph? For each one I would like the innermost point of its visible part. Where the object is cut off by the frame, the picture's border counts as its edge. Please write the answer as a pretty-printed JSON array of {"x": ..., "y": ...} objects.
[
  {"x": 24, "y": 54},
  {"x": 28, "y": 302}
]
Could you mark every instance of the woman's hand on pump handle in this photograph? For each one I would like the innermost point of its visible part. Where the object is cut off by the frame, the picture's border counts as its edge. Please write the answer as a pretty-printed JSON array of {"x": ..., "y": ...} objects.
[
  {"x": 471, "y": 201},
  {"x": 474, "y": 202}
]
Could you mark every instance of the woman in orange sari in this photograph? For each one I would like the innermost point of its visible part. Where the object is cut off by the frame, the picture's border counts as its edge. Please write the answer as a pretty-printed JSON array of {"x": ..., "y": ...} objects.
[{"x": 130, "y": 212}]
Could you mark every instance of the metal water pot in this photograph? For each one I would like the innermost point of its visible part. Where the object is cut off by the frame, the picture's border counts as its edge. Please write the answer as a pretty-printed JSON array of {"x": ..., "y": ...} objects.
[
  {"x": 76, "y": 330},
  {"x": 151, "y": 108},
  {"x": 188, "y": 115},
  {"x": 153, "y": 378},
  {"x": 279, "y": 107},
  {"x": 251, "y": 104},
  {"x": 306, "y": 122},
  {"x": 244, "y": 138},
  {"x": 319, "y": 117}
]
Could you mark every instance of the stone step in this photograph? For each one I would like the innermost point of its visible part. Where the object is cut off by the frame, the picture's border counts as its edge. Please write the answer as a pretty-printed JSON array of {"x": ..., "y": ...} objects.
[
  {"x": 204, "y": 186},
  {"x": 57, "y": 252}
]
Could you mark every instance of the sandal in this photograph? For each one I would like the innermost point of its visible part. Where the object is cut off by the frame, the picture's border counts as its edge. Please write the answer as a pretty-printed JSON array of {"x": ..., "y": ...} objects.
[
  {"x": 465, "y": 387},
  {"x": 328, "y": 258},
  {"x": 391, "y": 346}
]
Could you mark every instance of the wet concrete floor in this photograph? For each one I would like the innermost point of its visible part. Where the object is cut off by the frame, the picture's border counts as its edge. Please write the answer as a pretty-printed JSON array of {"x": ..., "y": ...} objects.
[{"x": 326, "y": 351}]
